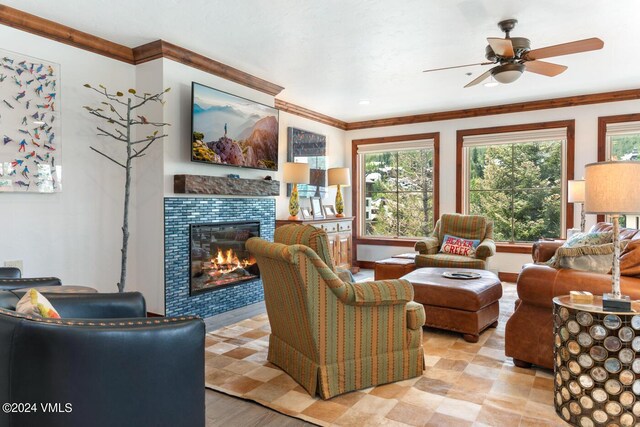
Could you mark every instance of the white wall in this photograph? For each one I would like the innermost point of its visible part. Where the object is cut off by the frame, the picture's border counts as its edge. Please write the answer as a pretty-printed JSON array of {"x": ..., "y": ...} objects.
[
  {"x": 586, "y": 140},
  {"x": 149, "y": 191},
  {"x": 177, "y": 154},
  {"x": 75, "y": 234},
  {"x": 172, "y": 156}
]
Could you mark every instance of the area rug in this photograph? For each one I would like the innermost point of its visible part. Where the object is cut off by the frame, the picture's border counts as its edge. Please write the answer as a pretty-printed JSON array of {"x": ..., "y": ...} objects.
[{"x": 463, "y": 385}]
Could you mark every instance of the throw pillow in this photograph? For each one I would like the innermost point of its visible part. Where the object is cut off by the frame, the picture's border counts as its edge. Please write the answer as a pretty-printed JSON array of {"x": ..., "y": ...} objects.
[
  {"x": 630, "y": 259},
  {"x": 595, "y": 258},
  {"x": 583, "y": 239},
  {"x": 459, "y": 246},
  {"x": 35, "y": 304}
]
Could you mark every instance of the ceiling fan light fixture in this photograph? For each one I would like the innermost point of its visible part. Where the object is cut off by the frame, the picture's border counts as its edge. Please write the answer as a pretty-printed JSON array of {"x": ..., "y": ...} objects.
[
  {"x": 491, "y": 83},
  {"x": 507, "y": 73}
]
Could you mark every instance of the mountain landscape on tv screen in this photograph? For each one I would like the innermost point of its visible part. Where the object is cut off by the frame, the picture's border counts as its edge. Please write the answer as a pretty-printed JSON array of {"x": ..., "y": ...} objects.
[{"x": 233, "y": 131}]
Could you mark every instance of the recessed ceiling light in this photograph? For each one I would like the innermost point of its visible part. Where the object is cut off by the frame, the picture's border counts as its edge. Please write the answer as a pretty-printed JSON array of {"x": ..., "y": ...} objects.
[{"x": 364, "y": 102}]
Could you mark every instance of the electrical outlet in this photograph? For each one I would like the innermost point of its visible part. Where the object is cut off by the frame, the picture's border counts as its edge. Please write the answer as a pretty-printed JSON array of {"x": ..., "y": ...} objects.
[{"x": 16, "y": 263}]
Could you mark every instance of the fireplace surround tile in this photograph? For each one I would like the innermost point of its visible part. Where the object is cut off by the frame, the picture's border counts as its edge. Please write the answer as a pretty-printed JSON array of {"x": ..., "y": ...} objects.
[{"x": 179, "y": 213}]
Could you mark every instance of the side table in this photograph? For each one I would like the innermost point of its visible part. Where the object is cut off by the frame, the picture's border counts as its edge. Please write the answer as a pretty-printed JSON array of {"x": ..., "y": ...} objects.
[
  {"x": 596, "y": 364},
  {"x": 66, "y": 289}
]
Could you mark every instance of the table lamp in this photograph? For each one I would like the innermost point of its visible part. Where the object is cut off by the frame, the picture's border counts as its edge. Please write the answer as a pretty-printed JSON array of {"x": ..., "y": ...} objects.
[
  {"x": 575, "y": 196},
  {"x": 339, "y": 177},
  {"x": 611, "y": 188},
  {"x": 295, "y": 173}
]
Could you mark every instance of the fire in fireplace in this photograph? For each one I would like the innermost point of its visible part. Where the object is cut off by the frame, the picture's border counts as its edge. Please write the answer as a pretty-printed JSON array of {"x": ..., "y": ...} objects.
[{"x": 219, "y": 257}]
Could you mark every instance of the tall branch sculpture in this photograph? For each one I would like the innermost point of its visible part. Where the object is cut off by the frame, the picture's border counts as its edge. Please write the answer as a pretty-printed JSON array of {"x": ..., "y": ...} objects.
[{"x": 123, "y": 124}]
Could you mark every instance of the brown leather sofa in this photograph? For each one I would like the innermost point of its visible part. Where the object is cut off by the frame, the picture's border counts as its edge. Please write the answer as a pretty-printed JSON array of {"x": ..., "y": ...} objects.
[{"x": 529, "y": 331}]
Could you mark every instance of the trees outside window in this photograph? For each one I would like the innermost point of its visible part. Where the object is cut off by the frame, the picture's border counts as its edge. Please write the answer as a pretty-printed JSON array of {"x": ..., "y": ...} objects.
[
  {"x": 519, "y": 187},
  {"x": 398, "y": 193}
]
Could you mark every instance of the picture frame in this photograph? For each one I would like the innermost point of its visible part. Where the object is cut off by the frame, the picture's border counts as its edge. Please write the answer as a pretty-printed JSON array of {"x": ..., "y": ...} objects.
[
  {"x": 230, "y": 130},
  {"x": 316, "y": 208},
  {"x": 308, "y": 147},
  {"x": 305, "y": 213},
  {"x": 329, "y": 211},
  {"x": 30, "y": 155}
]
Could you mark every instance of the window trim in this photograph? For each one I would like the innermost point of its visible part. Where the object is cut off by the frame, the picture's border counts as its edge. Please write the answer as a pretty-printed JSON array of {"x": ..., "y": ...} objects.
[
  {"x": 603, "y": 121},
  {"x": 569, "y": 161},
  {"x": 356, "y": 195}
]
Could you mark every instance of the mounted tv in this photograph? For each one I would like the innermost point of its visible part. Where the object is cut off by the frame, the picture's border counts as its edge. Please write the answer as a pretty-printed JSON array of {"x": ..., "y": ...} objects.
[{"x": 232, "y": 131}]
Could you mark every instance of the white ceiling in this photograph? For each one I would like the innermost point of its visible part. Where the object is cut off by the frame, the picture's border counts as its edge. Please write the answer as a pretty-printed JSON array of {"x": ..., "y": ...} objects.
[{"x": 330, "y": 54}]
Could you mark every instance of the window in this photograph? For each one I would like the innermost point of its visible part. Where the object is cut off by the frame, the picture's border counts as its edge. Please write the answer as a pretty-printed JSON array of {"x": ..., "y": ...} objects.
[
  {"x": 397, "y": 182},
  {"x": 622, "y": 143},
  {"x": 518, "y": 180}
]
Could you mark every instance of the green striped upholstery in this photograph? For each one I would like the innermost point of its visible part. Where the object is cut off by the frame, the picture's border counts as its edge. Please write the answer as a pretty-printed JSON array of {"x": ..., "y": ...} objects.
[
  {"x": 315, "y": 238},
  {"x": 333, "y": 336},
  {"x": 449, "y": 261},
  {"x": 415, "y": 315},
  {"x": 474, "y": 227}
]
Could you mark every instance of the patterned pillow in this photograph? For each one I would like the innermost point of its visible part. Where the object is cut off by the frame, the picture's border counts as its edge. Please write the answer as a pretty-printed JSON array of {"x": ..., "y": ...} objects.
[
  {"x": 583, "y": 239},
  {"x": 35, "y": 304},
  {"x": 459, "y": 246},
  {"x": 595, "y": 258}
]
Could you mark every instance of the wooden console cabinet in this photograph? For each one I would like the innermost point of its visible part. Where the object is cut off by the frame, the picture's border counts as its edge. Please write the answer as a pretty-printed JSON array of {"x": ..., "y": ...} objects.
[{"x": 340, "y": 234}]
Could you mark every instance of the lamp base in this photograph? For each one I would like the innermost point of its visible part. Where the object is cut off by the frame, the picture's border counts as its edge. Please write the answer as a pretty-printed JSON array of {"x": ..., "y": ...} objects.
[{"x": 611, "y": 303}]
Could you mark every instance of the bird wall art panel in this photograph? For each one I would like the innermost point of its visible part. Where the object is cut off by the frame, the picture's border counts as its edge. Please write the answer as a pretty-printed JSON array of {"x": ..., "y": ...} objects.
[{"x": 29, "y": 124}]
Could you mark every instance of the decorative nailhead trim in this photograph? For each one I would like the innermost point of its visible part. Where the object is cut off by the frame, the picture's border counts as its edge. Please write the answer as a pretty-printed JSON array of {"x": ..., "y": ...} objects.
[
  {"x": 27, "y": 280},
  {"x": 11, "y": 313}
]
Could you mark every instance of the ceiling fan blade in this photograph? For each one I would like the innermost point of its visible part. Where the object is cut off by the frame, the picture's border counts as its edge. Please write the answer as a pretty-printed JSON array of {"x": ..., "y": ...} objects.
[
  {"x": 457, "y": 66},
  {"x": 565, "y": 49},
  {"x": 545, "y": 68},
  {"x": 501, "y": 47},
  {"x": 479, "y": 79}
]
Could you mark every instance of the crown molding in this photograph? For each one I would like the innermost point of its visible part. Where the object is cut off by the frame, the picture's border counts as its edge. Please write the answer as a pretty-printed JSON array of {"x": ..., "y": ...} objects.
[
  {"x": 309, "y": 114},
  {"x": 161, "y": 49},
  {"x": 519, "y": 107},
  {"x": 61, "y": 33},
  {"x": 158, "y": 49},
  {"x": 164, "y": 49}
]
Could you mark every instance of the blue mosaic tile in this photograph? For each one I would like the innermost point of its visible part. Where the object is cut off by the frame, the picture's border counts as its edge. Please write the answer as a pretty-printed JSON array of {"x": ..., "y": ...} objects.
[{"x": 179, "y": 212}]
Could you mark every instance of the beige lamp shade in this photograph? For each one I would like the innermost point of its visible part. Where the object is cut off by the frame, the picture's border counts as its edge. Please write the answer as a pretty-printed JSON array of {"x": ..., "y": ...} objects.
[
  {"x": 295, "y": 173},
  {"x": 340, "y": 176},
  {"x": 576, "y": 191},
  {"x": 612, "y": 188}
]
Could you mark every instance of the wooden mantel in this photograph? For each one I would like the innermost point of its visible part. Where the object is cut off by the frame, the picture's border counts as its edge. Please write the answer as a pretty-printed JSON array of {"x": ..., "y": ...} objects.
[{"x": 223, "y": 186}]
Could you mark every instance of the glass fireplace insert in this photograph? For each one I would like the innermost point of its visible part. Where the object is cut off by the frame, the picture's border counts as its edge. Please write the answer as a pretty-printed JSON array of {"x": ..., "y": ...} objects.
[{"x": 218, "y": 257}]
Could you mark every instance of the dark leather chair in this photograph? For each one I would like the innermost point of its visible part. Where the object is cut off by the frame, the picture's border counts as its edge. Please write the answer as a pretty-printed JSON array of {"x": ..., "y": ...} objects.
[
  {"x": 10, "y": 273},
  {"x": 114, "y": 366}
]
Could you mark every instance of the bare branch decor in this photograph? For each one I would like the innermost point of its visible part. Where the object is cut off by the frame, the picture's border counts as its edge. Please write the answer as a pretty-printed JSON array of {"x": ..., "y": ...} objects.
[{"x": 119, "y": 111}]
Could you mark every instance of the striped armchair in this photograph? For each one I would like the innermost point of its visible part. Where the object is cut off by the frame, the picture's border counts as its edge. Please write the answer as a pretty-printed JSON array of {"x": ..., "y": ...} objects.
[
  {"x": 333, "y": 336},
  {"x": 474, "y": 227},
  {"x": 316, "y": 239}
]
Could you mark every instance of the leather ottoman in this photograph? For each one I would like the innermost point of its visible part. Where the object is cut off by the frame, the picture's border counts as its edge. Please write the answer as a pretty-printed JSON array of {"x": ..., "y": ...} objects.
[
  {"x": 465, "y": 306},
  {"x": 393, "y": 268}
]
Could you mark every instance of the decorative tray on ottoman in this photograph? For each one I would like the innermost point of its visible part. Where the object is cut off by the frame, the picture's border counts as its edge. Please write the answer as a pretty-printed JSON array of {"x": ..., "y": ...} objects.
[{"x": 461, "y": 275}]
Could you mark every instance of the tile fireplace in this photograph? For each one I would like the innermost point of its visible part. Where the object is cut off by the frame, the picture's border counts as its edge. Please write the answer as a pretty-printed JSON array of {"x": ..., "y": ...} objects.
[{"x": 198, "y": 279}]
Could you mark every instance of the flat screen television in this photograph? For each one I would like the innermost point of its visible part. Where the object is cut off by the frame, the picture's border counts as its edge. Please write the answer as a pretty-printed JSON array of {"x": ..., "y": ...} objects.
[{"x": 232, "y": 131}]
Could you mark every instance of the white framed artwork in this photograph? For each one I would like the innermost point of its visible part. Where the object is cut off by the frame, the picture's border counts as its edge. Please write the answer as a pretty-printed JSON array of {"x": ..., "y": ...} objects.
[{"x": 29, "y": 124}]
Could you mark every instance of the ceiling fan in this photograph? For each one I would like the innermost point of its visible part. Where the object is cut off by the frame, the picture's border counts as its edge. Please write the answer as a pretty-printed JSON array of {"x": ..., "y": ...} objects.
[{"x": 513, "y": 55}]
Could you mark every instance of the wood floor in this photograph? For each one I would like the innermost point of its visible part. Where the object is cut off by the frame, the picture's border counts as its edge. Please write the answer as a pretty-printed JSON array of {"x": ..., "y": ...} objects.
[{"x": 223, "y": 410}]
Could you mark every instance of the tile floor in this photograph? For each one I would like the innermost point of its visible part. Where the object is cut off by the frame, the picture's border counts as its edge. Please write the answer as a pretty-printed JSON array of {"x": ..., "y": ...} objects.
[{"x": 463, "y": 385}]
